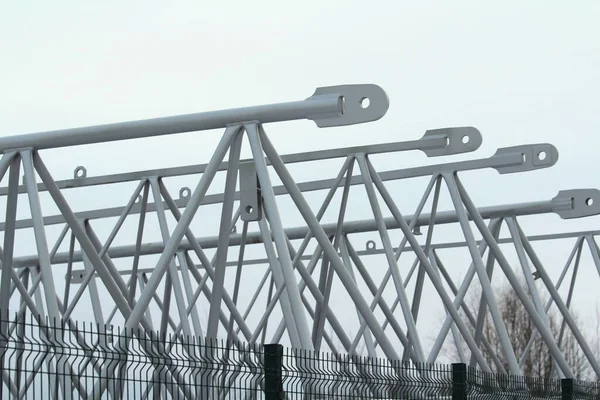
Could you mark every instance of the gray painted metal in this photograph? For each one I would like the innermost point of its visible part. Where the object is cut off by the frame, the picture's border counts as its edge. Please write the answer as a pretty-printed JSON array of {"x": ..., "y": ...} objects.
[
  {"x": 127, "y": 286},
  {"x": 329, "y": 106}
]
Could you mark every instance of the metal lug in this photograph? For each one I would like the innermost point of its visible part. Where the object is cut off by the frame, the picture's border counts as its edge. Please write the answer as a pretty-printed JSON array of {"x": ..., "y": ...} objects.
[
  {"x": 577, "y": 203},
  {"x": 250, "y": 195},
  {"x": 463, "y": 139},
  {"x": 357, "y": 104},
  {"x": 535, "y": 156}
]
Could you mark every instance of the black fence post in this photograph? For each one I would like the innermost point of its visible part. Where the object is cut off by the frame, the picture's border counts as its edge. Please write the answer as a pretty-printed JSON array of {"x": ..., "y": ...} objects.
[
  {"x": 567, "y": 389},
  {"x": 273, "y": 372},
  {"x": 459, "y": 381}
]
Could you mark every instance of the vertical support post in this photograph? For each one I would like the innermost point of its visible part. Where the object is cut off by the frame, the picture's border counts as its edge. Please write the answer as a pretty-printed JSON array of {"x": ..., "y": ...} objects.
[
  {"x": 273, "y": 372},
  {"x": 567, "y": 389},
  {"x": 9, "y": 242},
  {"x": 459, "y": 381}
]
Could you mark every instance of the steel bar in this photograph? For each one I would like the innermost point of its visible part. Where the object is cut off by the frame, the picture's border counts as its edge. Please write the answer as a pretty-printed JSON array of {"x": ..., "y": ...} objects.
[
  {"x": 433, "y": 143},
  {"x": 444, "y": 271},
  {"x": 69, "y": 274},
  {"x": 327, "y": 247},
  {"x": 561, "y": 306},
  {"x": 20, "y": 321},
  {"x": 392, "y": 263},
  {"x": 570, "y": 296},
  {"x": 113, "y": 287},
  {"x": 212, "y": 328},
  {"x": 306, "y": 275},
  {"x": 503, "y": 263},
  {"x": 329, "y": 106},
  {"x": 9, "y": 240},
  {"x": 175, "y": 284},
  {"x": 455, "y": 333},
  {"x": 486, "y": 286},
  {"x": 349, "y": 254},
  {"x": 308, "y": 236},
  {"x": 179, "y": 232},
  {"x": 535, "y": 334},
  {"x": 289, "y": 254},
  {"x": 88, "y": 275},
  {"x": 207, "y": 264},
  {"x": 434, "y": 278},
  {"x": 40, "y": 236},
  {"x": 327, "y": 271},
  {"x": 421, "y": 274},
  {"x": 238, "y": 278},
  {"x": 294, "y": 233},
  {"x": 398, "y": 253},
  {"x": 285, "y": 261},
  {"x": 527, "y": 272},
  {"x": 138, "y": 242},
  {"x": 507, "y": 160},
  {"x": 481, "y": 313},
  {"x": 368, "y": 339},
  {"x": 287, "y": 307},
  {"x": 594, "y": 250}
]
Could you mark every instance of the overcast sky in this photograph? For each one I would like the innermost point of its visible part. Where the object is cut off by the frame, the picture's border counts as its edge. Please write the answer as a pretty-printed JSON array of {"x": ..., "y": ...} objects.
[{"x": 520, "y": 72}]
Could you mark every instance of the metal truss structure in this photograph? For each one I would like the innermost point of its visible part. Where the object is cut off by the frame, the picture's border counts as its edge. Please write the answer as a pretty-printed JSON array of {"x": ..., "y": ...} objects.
[{"x": 205, "y": 261}]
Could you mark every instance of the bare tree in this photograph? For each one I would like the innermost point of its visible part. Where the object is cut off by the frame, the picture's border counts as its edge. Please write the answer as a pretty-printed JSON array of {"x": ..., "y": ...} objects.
[{"x": 521, "y": 329}]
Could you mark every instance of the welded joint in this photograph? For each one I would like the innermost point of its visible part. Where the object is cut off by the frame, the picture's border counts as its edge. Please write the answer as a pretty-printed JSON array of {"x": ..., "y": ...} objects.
[
  {"x": 459, "y": 140},
  {"x": 357, "y": 104},
  {"x": 536, "y": 156},
  {"x": 577, "y": 203}
]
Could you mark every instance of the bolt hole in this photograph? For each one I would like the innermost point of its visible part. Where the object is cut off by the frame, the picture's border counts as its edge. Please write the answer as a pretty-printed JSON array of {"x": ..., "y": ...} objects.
[
  {"x": 81, "y": 276},
  {"x": 370, "y": 245},
  {"x": 465, "y": 139},
  {"x": 542, "y": 155},
  {"x": 249, "y": 209},
  {"x": 365, "y": 102},
  {"x": 589, "y": 201}
]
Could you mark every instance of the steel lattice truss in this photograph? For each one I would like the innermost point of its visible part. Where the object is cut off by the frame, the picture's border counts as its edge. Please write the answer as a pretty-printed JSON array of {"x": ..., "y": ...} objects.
[{"x": 252, "y": 255}]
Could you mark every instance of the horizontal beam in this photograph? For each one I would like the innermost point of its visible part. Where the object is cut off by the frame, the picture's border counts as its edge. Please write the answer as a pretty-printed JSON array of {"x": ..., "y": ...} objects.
[
  {"x": 541, "y": 207},
  {"x": 329, "y": 106},
  {"x": 435, "y": 142},
  {"x": 77, "y": 275},
  {"x": 509, "y": 158}
]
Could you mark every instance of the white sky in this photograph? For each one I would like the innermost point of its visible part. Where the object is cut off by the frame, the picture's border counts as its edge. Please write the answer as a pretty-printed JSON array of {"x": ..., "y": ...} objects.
[{"x": 521, "y": 72}]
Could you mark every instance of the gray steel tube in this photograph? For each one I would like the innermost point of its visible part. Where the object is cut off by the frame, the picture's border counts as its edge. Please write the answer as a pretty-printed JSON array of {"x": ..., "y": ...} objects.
[
  {"x": 445, "y": 217},
  {"x": 317, "y": 105}
]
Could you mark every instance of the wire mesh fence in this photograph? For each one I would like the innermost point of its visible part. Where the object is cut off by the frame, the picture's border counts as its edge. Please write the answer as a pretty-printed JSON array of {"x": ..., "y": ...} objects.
[{"x": 42, "y": 359}]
